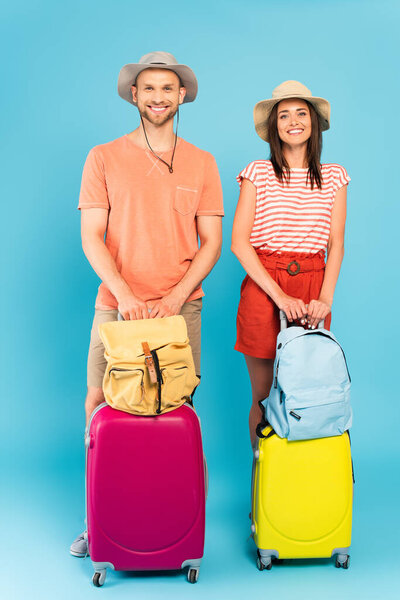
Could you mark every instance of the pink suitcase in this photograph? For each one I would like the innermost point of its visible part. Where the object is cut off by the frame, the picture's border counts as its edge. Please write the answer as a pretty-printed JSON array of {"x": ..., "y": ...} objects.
[{"x": 145, "y": 492}]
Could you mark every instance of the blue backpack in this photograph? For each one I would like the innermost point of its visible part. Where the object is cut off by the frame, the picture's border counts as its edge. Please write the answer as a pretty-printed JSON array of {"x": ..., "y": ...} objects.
[{"x": 310, "y": 392}]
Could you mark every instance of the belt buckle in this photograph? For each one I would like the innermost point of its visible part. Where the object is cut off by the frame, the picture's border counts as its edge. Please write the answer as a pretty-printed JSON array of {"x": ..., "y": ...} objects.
[{"x": 289, "y": 270}]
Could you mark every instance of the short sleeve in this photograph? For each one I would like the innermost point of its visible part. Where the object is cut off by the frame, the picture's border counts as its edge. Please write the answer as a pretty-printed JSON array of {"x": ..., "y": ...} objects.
[
  {"x": 341, "y": 178},
  {"x": 211, "y": 201},
  {"x": 93, "y": 186},
  {"x": 250, "y": 172}
]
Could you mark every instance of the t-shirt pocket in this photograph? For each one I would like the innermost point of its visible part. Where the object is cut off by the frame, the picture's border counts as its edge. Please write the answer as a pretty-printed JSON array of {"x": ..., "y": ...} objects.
[{"x": 185, "y": 200}]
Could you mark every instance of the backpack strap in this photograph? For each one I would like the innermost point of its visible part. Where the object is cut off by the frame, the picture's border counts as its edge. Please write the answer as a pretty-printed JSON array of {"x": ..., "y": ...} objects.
[
  {"x": 153, "y": 367},
  {"x": 159, "y": 379},
  {"x": 263, "y": 423},
  {"x": 259, "y": 431},
  {"x": 194, "y": 389},
  {"x": 149, "y": 361}
]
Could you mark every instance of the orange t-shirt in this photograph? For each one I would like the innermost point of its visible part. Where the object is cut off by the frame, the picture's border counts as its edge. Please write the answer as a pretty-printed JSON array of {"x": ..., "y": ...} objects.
[{"x": 151, "y": 232}]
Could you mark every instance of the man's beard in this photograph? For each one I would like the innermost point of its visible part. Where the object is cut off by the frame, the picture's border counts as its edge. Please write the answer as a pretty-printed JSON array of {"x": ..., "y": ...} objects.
[{"x": 153, "y": 119}]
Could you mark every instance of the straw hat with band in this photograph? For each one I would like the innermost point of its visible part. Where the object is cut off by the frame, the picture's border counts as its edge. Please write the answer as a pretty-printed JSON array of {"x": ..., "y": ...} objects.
[
  {"x": 284, "y": 91},
  {"x": 156, "y": 60}
]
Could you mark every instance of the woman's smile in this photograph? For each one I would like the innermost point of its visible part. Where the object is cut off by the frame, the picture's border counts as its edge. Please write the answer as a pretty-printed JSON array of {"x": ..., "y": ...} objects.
[{"x": 295, "y": 131}]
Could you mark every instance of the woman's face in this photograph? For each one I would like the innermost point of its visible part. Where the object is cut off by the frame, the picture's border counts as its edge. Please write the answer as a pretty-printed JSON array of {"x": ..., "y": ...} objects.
[{"x": 294, "y": 121}]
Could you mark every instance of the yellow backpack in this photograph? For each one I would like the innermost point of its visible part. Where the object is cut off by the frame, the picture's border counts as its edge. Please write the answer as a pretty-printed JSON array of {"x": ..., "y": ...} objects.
[{"x": 150, "y": 367}]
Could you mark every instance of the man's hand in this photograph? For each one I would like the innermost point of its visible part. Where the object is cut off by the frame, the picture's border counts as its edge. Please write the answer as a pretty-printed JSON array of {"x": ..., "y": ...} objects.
[
  {"x": 169, "y": 305},
  {"x": 132, "y": 307}
]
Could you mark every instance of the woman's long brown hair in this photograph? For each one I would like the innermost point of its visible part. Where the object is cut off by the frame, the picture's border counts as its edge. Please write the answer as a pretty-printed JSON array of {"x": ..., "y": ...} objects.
[{"x": 314, "y": 148}]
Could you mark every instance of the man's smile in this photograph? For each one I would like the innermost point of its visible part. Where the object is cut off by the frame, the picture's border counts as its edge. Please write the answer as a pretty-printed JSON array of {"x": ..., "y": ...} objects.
[{"x": 157, "y": 109}]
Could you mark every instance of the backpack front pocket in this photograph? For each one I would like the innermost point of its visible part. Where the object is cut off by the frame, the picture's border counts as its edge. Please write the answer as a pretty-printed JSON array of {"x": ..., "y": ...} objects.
[
  {"x": 124, "y": 390},
  {"x": 173, "y": 387},
  {"x": 310, "y": 420}
]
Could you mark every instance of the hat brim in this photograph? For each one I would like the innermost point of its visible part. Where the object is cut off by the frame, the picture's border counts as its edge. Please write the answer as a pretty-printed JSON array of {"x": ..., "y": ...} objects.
[
  {"x": 262, "y": 111},
  {"x": 128, "y": 74}
]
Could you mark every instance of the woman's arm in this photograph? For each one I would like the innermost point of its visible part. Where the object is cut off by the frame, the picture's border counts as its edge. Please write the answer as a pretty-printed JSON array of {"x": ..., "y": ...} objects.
[
  {"x": 241, "y": 247},
  {"x": 319, "y": 309}
]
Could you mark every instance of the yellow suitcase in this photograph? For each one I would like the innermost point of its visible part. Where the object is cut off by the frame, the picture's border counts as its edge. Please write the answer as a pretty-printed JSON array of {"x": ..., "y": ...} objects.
[{"x": 302, "y": 498}]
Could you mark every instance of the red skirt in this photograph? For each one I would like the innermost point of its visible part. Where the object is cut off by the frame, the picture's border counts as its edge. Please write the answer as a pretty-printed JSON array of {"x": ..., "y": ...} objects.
[{"x": 258, "y": 316}]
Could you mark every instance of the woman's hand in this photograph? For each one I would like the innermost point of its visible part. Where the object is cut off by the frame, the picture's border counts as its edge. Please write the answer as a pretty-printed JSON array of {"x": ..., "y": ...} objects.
[
  {"x": 294, "y": 308},
  {"x": 316, "y": 312}
]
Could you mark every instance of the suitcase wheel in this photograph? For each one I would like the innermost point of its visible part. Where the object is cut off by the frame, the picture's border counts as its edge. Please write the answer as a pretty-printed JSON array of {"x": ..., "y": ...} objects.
[
  {"x": 99, "y": 578},
  {"x": 342, "y": 561},
  {"x": 261, "y": 565},
  {"x": 193, "y": 575}
]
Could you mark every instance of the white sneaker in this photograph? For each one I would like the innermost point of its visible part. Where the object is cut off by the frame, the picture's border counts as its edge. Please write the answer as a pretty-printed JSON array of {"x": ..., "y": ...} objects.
[{"x": 79, "y": 547}]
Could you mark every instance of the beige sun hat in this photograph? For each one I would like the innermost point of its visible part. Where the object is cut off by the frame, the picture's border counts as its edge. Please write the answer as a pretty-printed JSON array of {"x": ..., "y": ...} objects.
[
  {"x": 284, "y": 91},
  {"x": 156, "y": 60}
]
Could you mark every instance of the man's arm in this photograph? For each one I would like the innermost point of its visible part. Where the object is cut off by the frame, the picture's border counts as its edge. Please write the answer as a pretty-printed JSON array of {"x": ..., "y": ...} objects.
[
  {"x": 210, "y": 233},
  {"x": 93, "y": 227}
]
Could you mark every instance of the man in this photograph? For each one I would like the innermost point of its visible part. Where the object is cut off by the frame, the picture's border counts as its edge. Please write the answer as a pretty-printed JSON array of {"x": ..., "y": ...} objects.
[{"x": 146, "y": 198}]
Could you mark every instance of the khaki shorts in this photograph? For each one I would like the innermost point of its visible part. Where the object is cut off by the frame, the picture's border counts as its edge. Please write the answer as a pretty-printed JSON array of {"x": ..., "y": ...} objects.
[{"x": 96, "y": 366}]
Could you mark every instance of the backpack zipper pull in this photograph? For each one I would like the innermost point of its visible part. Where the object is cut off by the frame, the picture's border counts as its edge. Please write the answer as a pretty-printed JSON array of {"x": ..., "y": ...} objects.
[{"x": 295, "y": 415}]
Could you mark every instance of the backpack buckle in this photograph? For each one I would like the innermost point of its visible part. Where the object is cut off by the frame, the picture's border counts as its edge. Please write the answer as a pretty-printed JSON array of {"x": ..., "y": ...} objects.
[{"x": 290, "y": 270}]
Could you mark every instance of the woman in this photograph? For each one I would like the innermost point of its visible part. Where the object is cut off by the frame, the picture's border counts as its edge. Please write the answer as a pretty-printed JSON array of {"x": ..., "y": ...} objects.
[{"x": 291, "y": 210}]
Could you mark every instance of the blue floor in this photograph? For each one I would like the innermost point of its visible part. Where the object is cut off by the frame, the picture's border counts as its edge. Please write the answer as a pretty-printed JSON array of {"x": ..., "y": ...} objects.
[{"x": 43, "y": 512}]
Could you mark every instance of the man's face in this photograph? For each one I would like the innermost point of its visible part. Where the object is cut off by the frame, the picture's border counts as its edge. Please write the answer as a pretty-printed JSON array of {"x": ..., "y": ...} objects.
[{"x": 158, "y": 94}]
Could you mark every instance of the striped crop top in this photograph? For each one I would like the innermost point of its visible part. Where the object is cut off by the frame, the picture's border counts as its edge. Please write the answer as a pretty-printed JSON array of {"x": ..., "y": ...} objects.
[{"x": 292, "y": 217}]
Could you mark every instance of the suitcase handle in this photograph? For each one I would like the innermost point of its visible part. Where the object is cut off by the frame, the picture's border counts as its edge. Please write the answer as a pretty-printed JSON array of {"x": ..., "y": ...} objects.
[{"x": 284, "y": 322}]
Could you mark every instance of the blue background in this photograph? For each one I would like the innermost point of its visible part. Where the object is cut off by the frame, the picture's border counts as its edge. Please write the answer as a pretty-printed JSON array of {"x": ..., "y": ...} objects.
[{"x": 59, "y": 68}]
